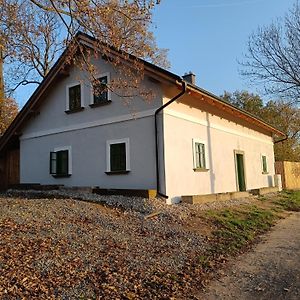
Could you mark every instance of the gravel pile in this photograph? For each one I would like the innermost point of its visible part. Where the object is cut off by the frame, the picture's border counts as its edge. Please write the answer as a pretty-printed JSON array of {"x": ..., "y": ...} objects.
[{"x": 141, "y": 206}]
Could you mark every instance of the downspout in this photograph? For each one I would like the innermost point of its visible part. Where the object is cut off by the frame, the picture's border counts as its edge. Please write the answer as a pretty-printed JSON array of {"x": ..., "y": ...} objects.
[
  {"x": 282, "y": 140},
  {"x": 156, "y": 134}
]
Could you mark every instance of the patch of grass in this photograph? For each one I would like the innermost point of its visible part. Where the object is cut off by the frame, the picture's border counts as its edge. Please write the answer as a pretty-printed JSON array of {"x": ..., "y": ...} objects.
[
  {"x": 204, "y": 261},
  {"x": 236, "y": 228},
  {"x": 289, "y": 200}
]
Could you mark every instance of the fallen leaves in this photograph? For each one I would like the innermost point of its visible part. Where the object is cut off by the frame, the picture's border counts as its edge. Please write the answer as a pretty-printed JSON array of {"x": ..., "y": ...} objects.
[{"x": 65, "y": 249}]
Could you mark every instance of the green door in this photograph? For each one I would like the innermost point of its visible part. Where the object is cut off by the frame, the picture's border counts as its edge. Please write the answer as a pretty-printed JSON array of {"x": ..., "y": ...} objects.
[{"x": 240, "y": 172}]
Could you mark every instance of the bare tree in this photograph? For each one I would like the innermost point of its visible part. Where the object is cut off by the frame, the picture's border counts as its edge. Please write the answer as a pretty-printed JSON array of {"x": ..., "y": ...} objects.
[
  {"x": 32, "y": 44},
  {"x": 34, "y": 32},
  {"x": 273, "y": 56},
  {"x": 120, "y": 25}
]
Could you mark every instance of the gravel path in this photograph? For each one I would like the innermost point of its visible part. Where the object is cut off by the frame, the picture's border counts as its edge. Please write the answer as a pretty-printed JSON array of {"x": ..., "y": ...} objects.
[{"x": 270, "y": 271}]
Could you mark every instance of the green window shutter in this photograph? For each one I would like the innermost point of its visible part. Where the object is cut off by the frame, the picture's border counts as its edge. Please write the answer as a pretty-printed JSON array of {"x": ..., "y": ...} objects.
[
  {"x": 118, "y": 157},
  {"x": 53, "y": 158},
  {"x": 100, "y": 90},
  {"x": 62, "y": 162},
  {"x": 75, "y": 97}
]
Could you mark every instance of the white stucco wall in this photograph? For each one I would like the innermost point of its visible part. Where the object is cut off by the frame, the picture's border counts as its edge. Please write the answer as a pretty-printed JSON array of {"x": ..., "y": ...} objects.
[
  {"x": 88, "y": 147},
  {"x": 182, "y": 124},
  {"x": 87, "y": 132}
]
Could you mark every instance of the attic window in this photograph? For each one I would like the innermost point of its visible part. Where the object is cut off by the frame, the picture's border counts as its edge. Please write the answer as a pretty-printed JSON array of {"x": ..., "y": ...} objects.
[
  {"x": 74, "y": 98},
  {"x": 100, "y": 91}
]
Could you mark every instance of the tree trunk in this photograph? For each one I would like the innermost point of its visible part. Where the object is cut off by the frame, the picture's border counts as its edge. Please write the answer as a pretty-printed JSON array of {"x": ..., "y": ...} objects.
[{"x": 1, "y": 80}]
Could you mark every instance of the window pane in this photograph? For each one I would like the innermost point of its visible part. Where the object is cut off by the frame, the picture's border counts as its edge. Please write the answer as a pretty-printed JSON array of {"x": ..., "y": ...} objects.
[
  {"x": 74, "y": 97},
  {"x": 62, "y": 166},
  {"x": 118, "y": 157},
  {"x": 200, "y": 155},
  {"x": 100, "y": 90},
  {"x": 264, "y": 164},
  {"x": 52, "y": 162}
]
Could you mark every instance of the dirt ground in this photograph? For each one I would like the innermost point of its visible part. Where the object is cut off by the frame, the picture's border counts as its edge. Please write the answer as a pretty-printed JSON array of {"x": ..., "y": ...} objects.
[{"x": 270, "y": 271}]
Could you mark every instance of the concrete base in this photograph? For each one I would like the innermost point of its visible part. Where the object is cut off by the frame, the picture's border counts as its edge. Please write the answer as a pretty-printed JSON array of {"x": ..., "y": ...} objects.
[
  {"x": 131, "y": 193},
  {"x": 264, "y": 191},
  {"x": 200, "y": 199}
]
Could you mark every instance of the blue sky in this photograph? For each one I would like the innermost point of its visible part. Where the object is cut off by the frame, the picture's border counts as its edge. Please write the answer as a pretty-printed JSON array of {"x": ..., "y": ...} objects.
[{"x": 207, "y": 37}]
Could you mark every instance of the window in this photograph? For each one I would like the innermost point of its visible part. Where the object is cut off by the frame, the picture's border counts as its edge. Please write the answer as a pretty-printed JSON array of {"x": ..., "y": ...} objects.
[
  {"x": 74, "y": 98},
  {"x": 199, "y": 155},
  {"x": 100, "y": 92},
  {"x": 60, "y": 162},
  {"x": 118, "y": 156},
  {"x": 264, "y": 164}
]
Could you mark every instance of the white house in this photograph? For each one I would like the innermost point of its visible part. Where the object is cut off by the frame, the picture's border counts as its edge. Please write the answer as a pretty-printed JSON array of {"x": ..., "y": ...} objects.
[{"x": 186, "y": 141}]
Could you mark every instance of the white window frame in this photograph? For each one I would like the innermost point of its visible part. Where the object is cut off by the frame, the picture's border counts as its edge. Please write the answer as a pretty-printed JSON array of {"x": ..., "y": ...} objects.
[
  {"x": 107, "y": 74},
  {"x": 81, "y": 93},
  {"x": 69, "y": 148},
  {"x": 262, "y": 163},
  {"x": 196, "y": 140},
  {"x": 127, "y": 148}
]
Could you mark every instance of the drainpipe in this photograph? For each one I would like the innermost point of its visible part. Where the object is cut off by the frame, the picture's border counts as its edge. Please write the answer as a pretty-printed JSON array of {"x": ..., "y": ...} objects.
[
  {"x": 282, "y": 140},
  {"x": 156, "y": 134}
]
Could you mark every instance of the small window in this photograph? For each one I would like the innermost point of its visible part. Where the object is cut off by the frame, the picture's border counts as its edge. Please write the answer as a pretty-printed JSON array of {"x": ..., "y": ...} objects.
[
  {"x": 264, "y": 164},
  {"x": 59, "y": 163},
  {"x": 74, "y": 98},
  {"x": 200, "y": 156},
  {"x": 100, "y": 91},
  {"x": 118, "y": 156}
]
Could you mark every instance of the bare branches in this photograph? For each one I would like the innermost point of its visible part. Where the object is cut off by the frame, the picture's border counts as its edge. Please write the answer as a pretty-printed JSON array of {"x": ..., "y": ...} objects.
[
  {"x": 36, "y": 31},
  {"x": 31, "y": 42},
  {"x": 273, "y": 57}
]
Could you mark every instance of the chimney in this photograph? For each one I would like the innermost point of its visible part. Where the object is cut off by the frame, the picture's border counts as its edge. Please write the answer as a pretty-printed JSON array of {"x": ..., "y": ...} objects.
[{"x": 190, "y": 77}]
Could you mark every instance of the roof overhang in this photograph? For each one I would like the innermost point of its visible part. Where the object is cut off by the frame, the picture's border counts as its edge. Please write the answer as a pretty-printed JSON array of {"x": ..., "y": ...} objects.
[{"x": 231, "y": 109}]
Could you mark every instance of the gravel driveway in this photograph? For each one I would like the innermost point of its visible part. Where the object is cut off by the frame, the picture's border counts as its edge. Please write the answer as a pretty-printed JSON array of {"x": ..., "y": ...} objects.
[{"x": 270, "y": 271}]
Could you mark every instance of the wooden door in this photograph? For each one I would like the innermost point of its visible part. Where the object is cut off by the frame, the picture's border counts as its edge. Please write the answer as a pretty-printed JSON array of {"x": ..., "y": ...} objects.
[
  {"x": 240, "y": 172},
  {"x": 13, "y": 167}
]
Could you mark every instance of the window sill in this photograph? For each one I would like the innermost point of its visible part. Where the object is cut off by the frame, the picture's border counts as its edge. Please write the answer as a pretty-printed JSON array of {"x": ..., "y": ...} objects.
[
  {"x": 117, "y": 172},
  {"x": 61, "y": 175},
  {"x": 264, "y": 173},
  {"x": 74, "y": 110},
  {"x": 201, "y": 170},
  {"x": 100, "y": 104}
]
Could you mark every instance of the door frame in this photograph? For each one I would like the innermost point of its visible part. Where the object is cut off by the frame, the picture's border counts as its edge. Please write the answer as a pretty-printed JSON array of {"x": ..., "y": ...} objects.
[{"x": 236, "y": 169}]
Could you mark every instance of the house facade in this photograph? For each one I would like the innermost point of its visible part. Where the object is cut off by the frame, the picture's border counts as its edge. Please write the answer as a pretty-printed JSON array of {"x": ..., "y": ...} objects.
[{"x": 197, "y": 144}]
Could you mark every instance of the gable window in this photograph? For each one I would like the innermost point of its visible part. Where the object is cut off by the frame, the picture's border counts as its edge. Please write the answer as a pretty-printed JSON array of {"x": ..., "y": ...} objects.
[
  {"x": 199, "y": 156},
  {"x": 60, "y": 162},
  {"x": 264, "y": 164},
  {"x": 74, "y": 98},
  {"x": 100, "y": 91},
  {"x": 118, "y": 156}
]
